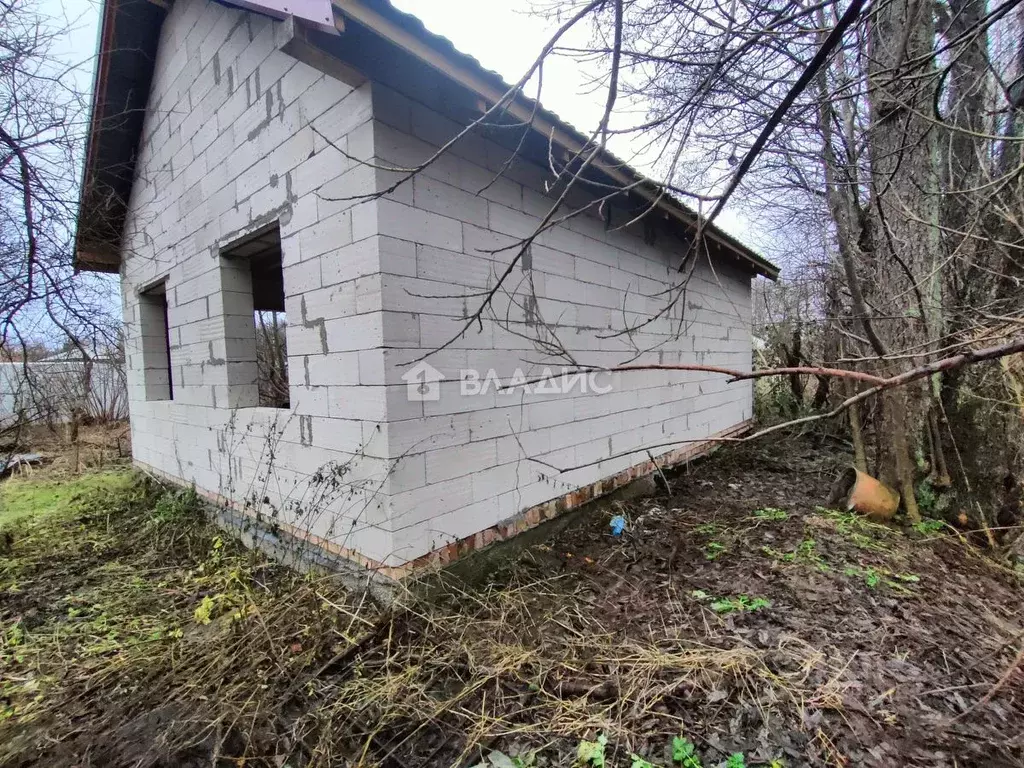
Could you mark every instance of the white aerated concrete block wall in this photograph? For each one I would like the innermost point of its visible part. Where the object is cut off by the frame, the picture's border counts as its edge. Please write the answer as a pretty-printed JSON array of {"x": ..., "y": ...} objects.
[
  {"x": 468, "y": 462},
  {"x": 229, "y": 146},
  {"x": 240, "y": 135}
]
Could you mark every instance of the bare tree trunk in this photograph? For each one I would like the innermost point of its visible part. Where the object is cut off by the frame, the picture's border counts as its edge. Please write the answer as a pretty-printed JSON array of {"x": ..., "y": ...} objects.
[
  {"x": 793, "y": 357},
  {"x": 940, "y": 469},
  {"x": 905, "y": 234},
  {"x": 832, "y": 341},
  {"x": 860, "y": 456},
  {"x": 821, "y": 393},
  {"x": 79, "y": 410}
]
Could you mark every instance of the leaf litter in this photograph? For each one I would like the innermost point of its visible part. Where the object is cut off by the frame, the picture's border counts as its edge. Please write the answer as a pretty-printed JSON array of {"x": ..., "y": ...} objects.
[{"x": 135, "y": 633}]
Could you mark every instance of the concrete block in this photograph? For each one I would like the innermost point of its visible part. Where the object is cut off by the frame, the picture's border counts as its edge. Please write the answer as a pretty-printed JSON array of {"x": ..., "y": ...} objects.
[
  {"x": 337, "y": 369},
  {"x": 350, "y": 261},
  {"x": 310, "y": 400},
  {"x": 473, "y": 271},
  {"x": 373, "y": 286},
  {"x": 496, "y": 246},
  {"x": 397, "y": 257},
  {"x": 401, "y": 329},
  {"x": 412, "y": 507},
  {"x": 409, "y": 473},
  {"x": 437, "y": 332},
  {"x": 423, "y": 296},
  {"x": 420, "y": 434},
  {"x": 446, "y": 463},
  {"x": 358, "y": 402},
  {"x": 371, "y": 368},
  {"x": 307, "y": 340},
  {"x": 321, "y": 167},
  {"x": 324, "y": 303},
  {"x": 497, "y": 422},
  {"x": 418, "y": 226},
  {"x": 336, "y": 434},
  {"x": 436, "y": 196},
  {"x": 391, "y": 108},
  {"x": 348, "y": 334},
  {"x": 302, "y": 277}
]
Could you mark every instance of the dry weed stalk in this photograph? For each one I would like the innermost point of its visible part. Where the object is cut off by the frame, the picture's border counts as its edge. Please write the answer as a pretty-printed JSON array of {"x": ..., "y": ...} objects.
[{"x": 275, "y": 665}]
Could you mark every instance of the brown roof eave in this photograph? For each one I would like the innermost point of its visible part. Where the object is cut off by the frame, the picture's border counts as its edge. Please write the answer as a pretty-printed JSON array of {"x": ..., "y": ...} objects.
[
  {"x": 82, "y": 260},
  {"x": 128, "y": 36}
]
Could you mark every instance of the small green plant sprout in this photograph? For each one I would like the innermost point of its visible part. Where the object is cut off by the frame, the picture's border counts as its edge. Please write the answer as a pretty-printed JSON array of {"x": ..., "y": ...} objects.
[
  {"x": 714, "y": 549},
  {"x": 684, "y": 753},
  {"x": 770, "y": 514},
  {"x": 14, "y": 636},
  {"x": 498, "y": 759},
  {"x": 175, "y": 506},
  {"x": 805, "y": 553},
  {"x": 929, "y": 526},
  {"x": 806, "y": 550},
  {"x": 204, "y": 613},
  {"x": 864, "y": 533},
  {"x": 592, "y": 752},
  {"x": 739, "y": 603},
  {"x": 639, "y": 762},
  {"x": 928, "y": 500},
  {"x": 871, "y": 577},
  {"x": 731, "y": 604},
  {"x": 736, "y": 760},
  {"x": 874, "y": 576},
  {"x": 708, "y": 529}
]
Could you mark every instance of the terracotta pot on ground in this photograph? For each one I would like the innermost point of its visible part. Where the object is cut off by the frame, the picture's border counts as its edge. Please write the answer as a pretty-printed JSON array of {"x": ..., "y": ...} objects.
[{"x": 864, "y": 494}]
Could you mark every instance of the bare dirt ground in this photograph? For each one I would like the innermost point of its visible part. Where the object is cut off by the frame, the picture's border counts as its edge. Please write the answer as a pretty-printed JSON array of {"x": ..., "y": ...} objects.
[
  {"x": 734, "y": 615},
  {"x": 877, "y": 646},
  {"x": 99, "y": 445}
]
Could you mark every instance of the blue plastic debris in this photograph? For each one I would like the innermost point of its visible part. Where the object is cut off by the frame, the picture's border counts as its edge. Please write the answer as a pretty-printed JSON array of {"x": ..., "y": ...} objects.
[{"x": 618, "y": 525}]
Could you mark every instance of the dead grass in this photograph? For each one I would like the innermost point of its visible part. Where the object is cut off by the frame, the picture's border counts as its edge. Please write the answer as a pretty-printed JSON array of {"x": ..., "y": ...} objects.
[
  {"x": 136, "y": 634},
  {"x": 99, "y": 446}
]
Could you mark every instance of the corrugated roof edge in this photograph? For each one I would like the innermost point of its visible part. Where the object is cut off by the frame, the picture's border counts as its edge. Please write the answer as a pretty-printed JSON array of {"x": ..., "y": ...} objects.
[{"x": 445, "y": 47}]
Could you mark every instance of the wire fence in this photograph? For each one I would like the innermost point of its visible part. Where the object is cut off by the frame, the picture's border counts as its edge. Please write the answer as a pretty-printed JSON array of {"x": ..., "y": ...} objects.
[{"x": 49, "y": 391}]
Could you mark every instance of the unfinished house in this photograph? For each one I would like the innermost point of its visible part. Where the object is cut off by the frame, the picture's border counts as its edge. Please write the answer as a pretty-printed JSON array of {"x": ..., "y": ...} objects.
[{"x": 301, "y": 341}]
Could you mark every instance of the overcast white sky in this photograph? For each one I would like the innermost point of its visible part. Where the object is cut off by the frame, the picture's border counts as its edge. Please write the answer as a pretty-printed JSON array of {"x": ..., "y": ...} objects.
[
  {"x": 501, "y": 34},
  {"x": 505, "y": 37}
]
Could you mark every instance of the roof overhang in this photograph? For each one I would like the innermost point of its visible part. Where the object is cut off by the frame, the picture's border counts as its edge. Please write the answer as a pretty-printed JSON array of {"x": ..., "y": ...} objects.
[
  {"x": 128, "y": 39},
  {"x": 128, "y": 42}
]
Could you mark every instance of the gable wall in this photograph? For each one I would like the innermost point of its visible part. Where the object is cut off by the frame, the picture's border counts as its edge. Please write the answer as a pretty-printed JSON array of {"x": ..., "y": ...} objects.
[
  {"x": 230, "y": 145},
  {"x": 227, "y": 147},
  {"x": 469, "y": 462}
]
